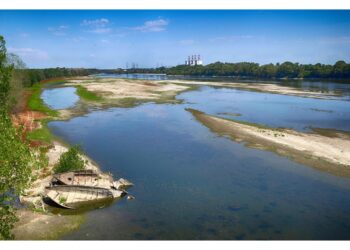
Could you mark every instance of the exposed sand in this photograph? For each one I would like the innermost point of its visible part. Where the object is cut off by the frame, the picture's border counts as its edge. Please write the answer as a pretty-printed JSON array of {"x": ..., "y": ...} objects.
[
  {"x": 122, "y": 88},
  {"x": 262, "y": 87},
  {"x": 331, "y": 154},
  {"x": 41, "y": 225}
]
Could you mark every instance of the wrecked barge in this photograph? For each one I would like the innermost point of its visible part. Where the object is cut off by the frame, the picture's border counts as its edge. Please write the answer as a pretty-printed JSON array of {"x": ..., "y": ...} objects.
[
  {"x": 70, "y": 196},
  {"x": 89, "y": 178},
  {"x": 76, "y": 188}
]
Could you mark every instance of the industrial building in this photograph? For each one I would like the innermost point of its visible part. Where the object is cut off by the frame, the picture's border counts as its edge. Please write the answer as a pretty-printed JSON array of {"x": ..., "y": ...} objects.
[{"x": 194, "y": 60}]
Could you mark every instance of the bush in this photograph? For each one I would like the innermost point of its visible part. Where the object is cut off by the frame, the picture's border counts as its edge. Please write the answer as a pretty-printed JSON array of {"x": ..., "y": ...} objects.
[{"x": 70, "y": 161}]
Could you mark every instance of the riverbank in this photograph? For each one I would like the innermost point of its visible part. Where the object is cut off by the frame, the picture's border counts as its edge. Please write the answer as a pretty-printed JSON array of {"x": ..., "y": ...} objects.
[
  {"x": 325, "y": 149},
  {"x": 263, "y": 87},
  {"x": 35, "y": 221}
]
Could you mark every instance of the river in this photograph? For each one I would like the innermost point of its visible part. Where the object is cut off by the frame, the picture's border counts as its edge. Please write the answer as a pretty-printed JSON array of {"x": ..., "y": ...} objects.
[{"x": 193, "y": 184}]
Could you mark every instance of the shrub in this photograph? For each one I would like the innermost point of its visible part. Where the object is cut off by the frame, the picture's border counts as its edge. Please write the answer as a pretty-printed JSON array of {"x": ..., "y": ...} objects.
[{"x": 70, "y": 160}]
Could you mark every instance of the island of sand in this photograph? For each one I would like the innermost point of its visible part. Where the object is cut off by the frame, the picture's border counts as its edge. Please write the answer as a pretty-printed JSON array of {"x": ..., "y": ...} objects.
[
  {"x": 324, "y": 149},
  {"x": 265, "y": 88}
]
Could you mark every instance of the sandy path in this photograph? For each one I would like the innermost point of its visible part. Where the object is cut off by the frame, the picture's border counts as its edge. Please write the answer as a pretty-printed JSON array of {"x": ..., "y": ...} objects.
[{"x": 331, "y": 154}]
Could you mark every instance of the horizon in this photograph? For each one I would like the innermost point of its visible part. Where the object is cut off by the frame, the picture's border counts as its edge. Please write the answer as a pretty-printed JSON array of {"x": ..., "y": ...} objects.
[{"x": 109, "y": 39}]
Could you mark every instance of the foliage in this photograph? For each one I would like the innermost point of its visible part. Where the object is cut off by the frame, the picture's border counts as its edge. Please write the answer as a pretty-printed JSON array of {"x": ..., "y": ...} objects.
[
  {"x": 87, "y": 95},
  {"x": 5, "y": 75},
  {"x": 340, "y": 70},
  {"x": 7, "y": 220},
  {"x": 70, "y": 161},
  {"x": 36, "y": 103},
  {"x": 41, "y": 134},
  {"x": 33, "y": 76},
  {"x": 16, "y": 159}
]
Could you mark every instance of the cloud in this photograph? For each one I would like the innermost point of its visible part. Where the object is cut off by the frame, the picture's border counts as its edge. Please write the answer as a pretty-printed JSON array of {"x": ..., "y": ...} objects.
[
  {"x": 58, "y": 31},
  {"x": 100, "y": 30},
  {"x": 153, "y": 26},
  {"x": 187, "y": 42},
  {"x": 29, "y": 53},
  {"x": 97, "y": 22},
  {"x": 230, "y": 38},
  {"x": 98, "y": 26}
]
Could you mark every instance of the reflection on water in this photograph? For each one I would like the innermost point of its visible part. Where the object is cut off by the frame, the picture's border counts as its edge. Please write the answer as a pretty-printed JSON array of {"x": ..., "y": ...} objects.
[
  {"x": 271, "y": 109},
  {"x": 60, "y": 98},
  {"x": 192, "y": 184}
]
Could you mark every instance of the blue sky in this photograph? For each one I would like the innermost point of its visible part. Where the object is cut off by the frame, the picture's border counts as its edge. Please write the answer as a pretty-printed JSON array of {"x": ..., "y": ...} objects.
[{"x": 110, "y": 39}]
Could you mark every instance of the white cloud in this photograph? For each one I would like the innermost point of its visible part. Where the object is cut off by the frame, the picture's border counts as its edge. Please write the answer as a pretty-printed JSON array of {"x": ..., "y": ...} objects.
[
  {"x": 153, "y": 26},
  {"x": 58, "y": 31},
  {"x": 230, "y": 38},
  {"x": 187, "y": 42},
  {"x": 98, "y": 26},
  {"x": 29, "y": 53},
  {"x": 96, "y": 23},
  {"x": 100, "y": 30}
]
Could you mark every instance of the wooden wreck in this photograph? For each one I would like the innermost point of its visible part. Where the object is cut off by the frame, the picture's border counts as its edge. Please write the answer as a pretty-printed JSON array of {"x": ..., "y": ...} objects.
[
  {"x": 73, "y": 196},
  {"x": 89, "y": 178}
]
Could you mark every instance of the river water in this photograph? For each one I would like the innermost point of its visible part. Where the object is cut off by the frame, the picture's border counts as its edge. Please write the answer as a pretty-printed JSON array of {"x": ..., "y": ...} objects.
[{"x": 193, "y": 184}]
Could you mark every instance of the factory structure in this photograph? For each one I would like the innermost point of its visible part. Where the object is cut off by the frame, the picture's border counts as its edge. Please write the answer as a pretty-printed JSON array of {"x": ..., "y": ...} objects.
[{"x": 194, "y": 60}]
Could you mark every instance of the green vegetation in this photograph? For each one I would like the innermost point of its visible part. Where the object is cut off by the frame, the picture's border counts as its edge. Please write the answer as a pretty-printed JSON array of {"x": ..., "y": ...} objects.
[
  {"x": 42, "y": 134},
  {"x": 36, "y": 103},
  {"x": 340, "y": 70},
  {"x": 33, "y": 76},
  {"x": 70, "y": 160},
  {"x": 63, "y": 200},
  {"x": 16, "y": 159},
  {"x": 87, "y": 95}
]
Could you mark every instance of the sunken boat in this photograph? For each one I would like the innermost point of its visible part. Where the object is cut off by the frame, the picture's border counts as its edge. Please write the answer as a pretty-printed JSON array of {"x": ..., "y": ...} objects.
[
  {"x": 73, "y": 196},
  {"x": 89, "y": 178}
]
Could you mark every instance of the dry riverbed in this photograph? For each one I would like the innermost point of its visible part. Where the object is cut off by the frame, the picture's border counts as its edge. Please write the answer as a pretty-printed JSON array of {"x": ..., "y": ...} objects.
[
  {"x": 123, "y": 89},
  {"x": 326, "y": 150},
  {"x": 263, "y": 87}
]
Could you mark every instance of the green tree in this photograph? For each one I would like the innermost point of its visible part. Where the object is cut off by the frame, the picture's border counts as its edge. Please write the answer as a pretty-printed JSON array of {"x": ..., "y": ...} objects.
[
  {"x": 70, "y": 160},
  {"x": 16, "y": 159}
]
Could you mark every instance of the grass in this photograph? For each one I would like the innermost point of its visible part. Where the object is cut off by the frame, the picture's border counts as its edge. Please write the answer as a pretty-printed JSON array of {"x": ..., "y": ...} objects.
[
  {"x": 36, "y": 103},
  {"x": 83, "y": 93},
  {"x": 41, "y": 134}
]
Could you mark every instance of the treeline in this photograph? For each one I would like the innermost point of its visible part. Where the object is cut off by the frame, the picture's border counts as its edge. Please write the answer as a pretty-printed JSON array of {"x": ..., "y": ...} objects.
[
  {"x": 340, "y": 70},
  {"x": 32, "y": 76}
]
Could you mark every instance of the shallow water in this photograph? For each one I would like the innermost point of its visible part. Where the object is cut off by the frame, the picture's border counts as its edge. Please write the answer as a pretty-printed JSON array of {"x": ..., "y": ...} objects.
[
  {"x": 271, "y": 109},
  {"x": 326, "y": 86},
  {"x": 60, "y": 98},
  {"x": 192, "y": 184}
]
